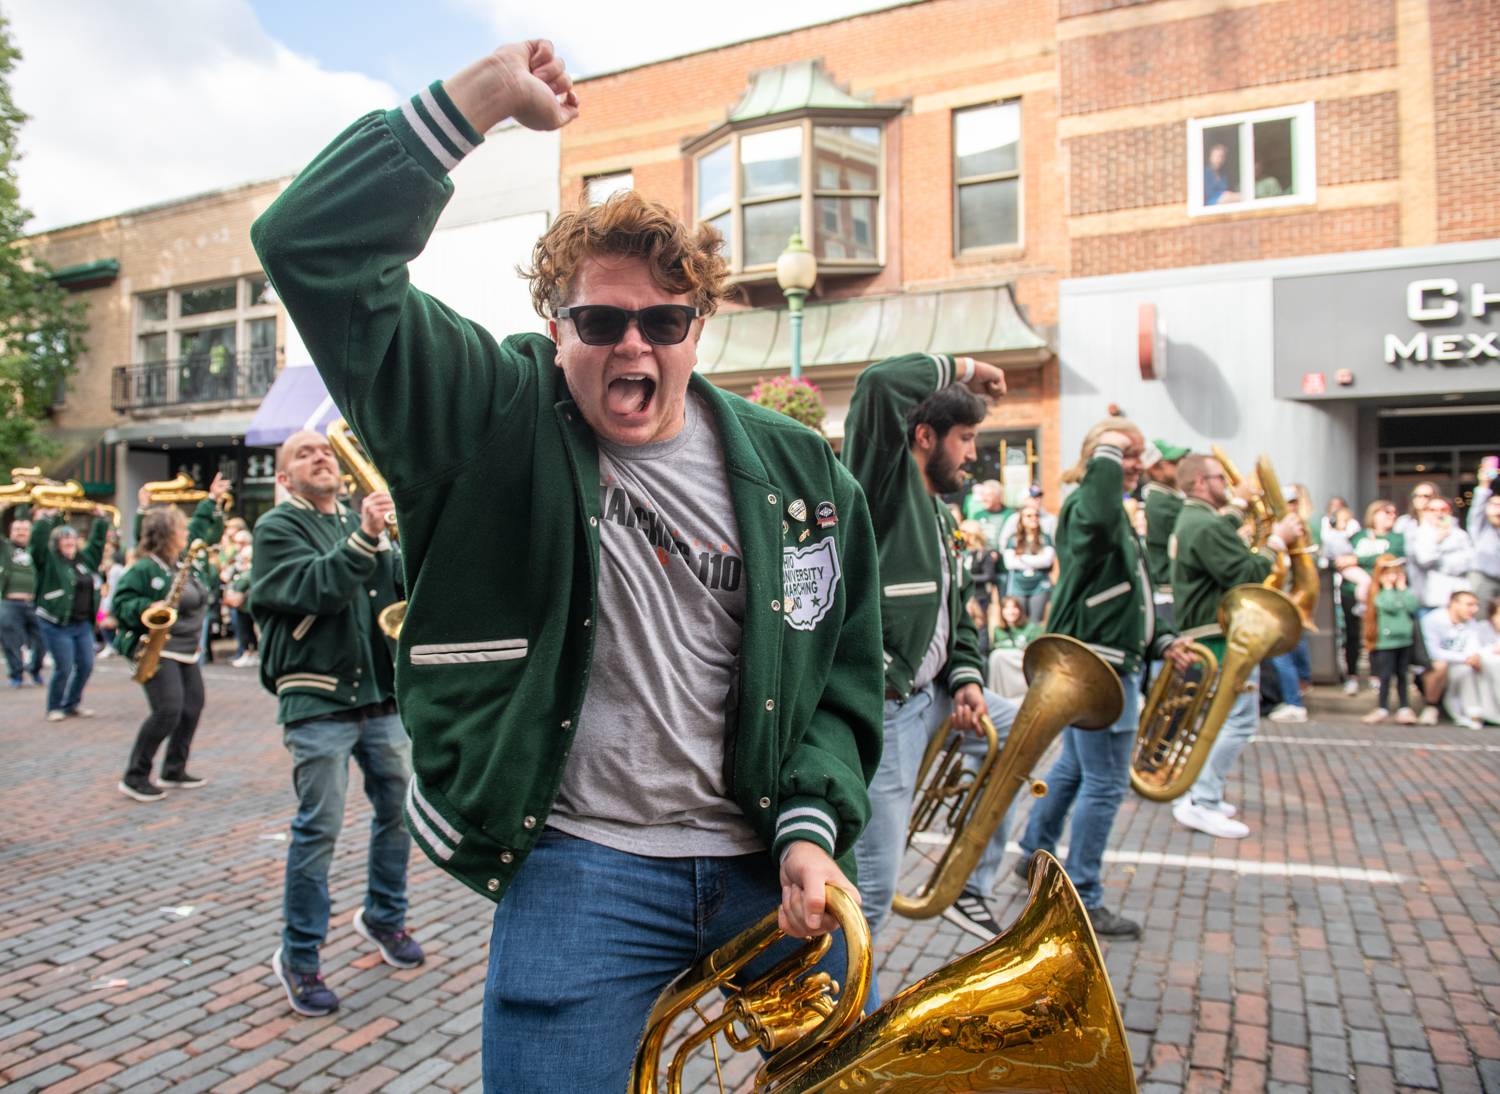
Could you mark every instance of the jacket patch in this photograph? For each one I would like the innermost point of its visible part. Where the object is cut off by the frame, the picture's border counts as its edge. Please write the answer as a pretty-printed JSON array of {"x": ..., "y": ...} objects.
[
  {"x": 809, "y": 579},
  {"x": 798, "y": 509},
  {"x": 827, "y": 515},
  {"x": 158, "y": 583}
]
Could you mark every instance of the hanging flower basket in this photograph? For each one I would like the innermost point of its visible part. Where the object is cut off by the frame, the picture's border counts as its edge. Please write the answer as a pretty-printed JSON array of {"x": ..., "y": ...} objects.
[{"x": 797, "y": 399}]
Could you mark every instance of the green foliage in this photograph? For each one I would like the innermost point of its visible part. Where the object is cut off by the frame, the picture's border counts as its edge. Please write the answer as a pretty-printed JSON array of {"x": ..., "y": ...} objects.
[
  {"x": 797, "y": 399},
  {"x": 41, "y": 326}
]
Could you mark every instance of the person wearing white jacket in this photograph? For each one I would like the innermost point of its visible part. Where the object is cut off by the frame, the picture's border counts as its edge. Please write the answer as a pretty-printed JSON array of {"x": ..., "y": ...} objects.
[
  {"x": 1453, "y": 645},
  {"x": 1442, "y": 553}
]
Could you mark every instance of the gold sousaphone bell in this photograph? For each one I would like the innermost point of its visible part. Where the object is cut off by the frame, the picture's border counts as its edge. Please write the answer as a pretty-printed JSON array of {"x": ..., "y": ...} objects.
[{"x": 1031, "y": 1010}]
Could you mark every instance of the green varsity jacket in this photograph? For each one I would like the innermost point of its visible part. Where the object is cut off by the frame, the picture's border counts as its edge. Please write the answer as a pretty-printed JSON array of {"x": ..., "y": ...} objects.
[
  {"x": 1162, "y": 506},
  {"x": 319, "y": 584},
  {"x": 1103, "y": 595},
  {"x": 143, "y": 584},
  {"x": 495, "y": 475},
  {"x": 1209, "y": 559},
  {"x": 56, "y": 577},
  {"x": 913, "y": 529},
  {"x": 17, "y": 569}
]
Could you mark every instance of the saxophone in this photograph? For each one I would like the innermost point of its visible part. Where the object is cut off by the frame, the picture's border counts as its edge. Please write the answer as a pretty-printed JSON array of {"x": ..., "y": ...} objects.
[{"x": 158, "y": 621}]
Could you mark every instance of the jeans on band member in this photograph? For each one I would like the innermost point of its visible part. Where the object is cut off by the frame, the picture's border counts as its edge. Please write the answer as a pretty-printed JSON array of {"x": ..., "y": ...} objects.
[
  {"x": 321, "y": 749},
  {"x": 587, "y": 937},
  {"x": 1093, "y": 771},
  {"x": 1390, "y": 667},
  {"x": 175, "y": 695},
  {"x": 1291, "y": 669},
  {"x": 72, "y": 648},
  {"x": 882, "y": 845},
  {"x": 1234, "y": 735},
  {"x": 244, "y": 631},
  {"x": 18, "y": 630}
]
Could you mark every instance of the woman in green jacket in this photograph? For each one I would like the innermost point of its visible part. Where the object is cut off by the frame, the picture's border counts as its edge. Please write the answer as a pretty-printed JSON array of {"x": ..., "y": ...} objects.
[{"x": 66, "y": 600}]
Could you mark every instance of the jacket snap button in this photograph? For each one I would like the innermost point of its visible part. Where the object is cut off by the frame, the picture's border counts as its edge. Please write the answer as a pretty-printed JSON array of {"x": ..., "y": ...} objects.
[
  {"x": 776, "y": 605},
  {"x": 372, "y": 592},
  {"x": 493, "y": 884},
  {"x": 529, "y": 822},
  {"x": 507, "y": 858},
  {"x": 771, "y": 498},
  {"x": 593, "y": 522},
  {"x": 567, "y": 723},
  {"x": 586, "y": 622},
  {"x": 765, "y": 803},
  {"x": 770, "y": 704}
]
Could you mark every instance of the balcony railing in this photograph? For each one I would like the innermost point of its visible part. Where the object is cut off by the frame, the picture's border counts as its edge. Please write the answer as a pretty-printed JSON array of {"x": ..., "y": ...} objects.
[{"x": 202, "y": 378}]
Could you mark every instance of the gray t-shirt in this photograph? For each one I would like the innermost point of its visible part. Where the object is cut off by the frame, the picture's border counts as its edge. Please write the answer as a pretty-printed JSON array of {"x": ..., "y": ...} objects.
[{"x": 647, "y": 770}]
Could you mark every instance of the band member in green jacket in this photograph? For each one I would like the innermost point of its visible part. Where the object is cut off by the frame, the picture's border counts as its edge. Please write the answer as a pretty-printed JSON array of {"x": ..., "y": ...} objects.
[
  {"x": 1208, "y": 559},
  {"x": 911, "y": 428},
  {"x": 66, "y": 601},
  {"x": 1103, "y": 598},
  {"x": 1163, "y": 501},
  {"x": 19, "y": 634},
  {"x": 649, "y": 714}
]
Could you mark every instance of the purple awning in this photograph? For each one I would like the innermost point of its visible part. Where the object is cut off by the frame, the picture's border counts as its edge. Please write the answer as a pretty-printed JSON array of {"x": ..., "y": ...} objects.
[{"x": 297, "y": 400}]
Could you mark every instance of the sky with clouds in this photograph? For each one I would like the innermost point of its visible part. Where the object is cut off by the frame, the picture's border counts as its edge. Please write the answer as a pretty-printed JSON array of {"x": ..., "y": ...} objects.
[{"x": 137, "y": 102}]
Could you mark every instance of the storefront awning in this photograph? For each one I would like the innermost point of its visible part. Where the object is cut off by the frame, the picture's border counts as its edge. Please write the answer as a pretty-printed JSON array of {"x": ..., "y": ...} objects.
[
  {"x": 846, "y": 335},
  {"x": 297, "y": 400},
  {"x": 168, "y": 432}
]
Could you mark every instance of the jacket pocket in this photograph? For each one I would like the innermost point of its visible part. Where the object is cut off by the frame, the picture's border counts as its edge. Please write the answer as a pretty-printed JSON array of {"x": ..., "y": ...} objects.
[
  {"x": 468, "y": 653},
  {"x": 911, "y": 588},
  {"x": 54, "y": 592},
  {"x": 1108, "y": 594}
]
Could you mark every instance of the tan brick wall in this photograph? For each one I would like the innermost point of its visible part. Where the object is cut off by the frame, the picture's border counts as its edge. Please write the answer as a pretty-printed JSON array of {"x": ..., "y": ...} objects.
[
  {"x": 1239, "y": 240},
  {"x": 1466, "y": 84},
  {"x": 1226, "y": 50},
  {"x": 201, "y": 240}
]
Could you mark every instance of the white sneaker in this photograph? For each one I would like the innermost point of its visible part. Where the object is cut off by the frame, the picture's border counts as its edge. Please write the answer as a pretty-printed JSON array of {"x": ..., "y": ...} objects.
[
  {"x": 55, "y": 716},
  {"x": 1288, "y": 713},
  {"x": 1429, "y": 716},
  {"x": 1351, "y": 686},
  {"x": 1406, "y": 717},
  {"x": 1225, "y": 808},
  {"x": 1374, "y": 683},
  {"x": 248, "y": 660},
  {"x": 1376, "y": 716},
  {"x": 1463, "y": 721},
  {"x": 1211, "y": 821}
]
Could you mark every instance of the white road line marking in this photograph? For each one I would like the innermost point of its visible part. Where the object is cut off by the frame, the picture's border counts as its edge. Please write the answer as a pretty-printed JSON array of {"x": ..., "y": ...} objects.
[{"x": 1364, "y": 742}]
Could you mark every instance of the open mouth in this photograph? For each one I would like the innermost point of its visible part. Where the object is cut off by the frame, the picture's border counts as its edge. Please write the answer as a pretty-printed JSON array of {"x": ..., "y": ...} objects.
[{"x": 631, "y": 394}]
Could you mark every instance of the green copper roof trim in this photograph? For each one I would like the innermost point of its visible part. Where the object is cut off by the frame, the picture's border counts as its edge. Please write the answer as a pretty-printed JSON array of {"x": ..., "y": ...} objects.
[
  {"x": 87, "y": 274},
  {"x": 800, "y": 85}
]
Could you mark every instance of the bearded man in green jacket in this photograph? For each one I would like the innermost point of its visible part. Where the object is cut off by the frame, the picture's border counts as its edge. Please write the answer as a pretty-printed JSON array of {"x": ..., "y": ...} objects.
[{"x": 647, "y": 712}]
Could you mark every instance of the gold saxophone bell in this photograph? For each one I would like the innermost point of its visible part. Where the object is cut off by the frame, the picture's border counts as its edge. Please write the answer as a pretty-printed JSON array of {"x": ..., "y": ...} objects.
[
  {"x": 1300, "y": 557},
  {"x": 180, "y": 488},
  {"x": 1069, "y": 684},
  {"x": 1177, "y": 731},
  {"x": 359, "y": 467},
  {"x": 1031, "y": 1010}
]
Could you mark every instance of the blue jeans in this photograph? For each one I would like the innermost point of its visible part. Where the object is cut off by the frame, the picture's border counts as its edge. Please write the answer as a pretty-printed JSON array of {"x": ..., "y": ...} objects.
[
  {"x": 1094, "y": 770},
  {"x": 882, "y": 845},
  {"x": 1234, "y": 735},
  {"x": 18, "y": 630},
  {"x": 321, "y": 749},
  {"x": 585, "y": 940},
  {"x": 72, "y": 648},
  {"x": 1291, "y": 669}
]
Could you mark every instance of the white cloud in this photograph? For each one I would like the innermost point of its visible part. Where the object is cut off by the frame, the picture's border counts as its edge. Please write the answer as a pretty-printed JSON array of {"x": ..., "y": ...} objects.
[
  {"x": 135, "y": 103},
  {"x": 595, "y": 36}
]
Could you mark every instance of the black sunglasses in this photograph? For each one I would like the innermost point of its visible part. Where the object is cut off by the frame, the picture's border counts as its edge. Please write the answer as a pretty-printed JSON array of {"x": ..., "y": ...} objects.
[{"x": 604, "y": 324}]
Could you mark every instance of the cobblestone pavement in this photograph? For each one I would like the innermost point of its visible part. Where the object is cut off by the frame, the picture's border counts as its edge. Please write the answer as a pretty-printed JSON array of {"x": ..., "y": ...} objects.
[{"x": 1348, "y": 944}]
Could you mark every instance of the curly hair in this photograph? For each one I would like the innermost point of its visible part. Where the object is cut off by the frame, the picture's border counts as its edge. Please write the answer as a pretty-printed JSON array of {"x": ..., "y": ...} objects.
[
  {"x": 158, "y": 524},
  {"x": 682, "y": 260}
]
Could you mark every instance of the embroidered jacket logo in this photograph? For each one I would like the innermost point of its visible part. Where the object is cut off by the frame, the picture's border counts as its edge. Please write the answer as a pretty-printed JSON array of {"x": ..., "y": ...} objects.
[{"x": 809, "y": 579}]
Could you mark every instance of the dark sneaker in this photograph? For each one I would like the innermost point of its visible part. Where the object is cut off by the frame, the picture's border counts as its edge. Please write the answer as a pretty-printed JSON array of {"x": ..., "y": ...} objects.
[
  {"x": 397, "y": 947},
  {"x": 142, "y": 790},
  {"x": 305, "y": 991},
  {"x": 1109, "y": 925},
  {"x": 970, "y": 913},
  {"x": 1022, "y": 869},
  {"x": 185, "y": 781}
]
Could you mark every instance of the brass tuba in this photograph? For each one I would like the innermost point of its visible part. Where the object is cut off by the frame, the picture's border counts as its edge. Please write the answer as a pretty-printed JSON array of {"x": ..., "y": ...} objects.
[
  {"x": 351, "y": 453},
  {"x": 1301, "y": 555},
  {"x": 1177, "y": 732},
  {"x": 1031, "y": 1010},
  {"x": 69, "y": 497},
  {"x": 1069, "y": 685}
]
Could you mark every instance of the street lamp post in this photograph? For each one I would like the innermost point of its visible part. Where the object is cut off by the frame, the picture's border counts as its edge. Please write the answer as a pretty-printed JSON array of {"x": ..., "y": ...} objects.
[{"x": 796, "y": 273}]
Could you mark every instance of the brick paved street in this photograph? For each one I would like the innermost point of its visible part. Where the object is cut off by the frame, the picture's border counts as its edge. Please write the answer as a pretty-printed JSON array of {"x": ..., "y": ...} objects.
[{"x": 1349, "y": 944}]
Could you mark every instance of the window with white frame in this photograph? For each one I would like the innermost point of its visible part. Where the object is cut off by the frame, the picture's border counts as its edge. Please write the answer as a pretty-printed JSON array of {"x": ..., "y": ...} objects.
[
  {"x": 599, "y": 188},
  {"x": 819, "y": 178},
  {"x": 221, "y": 336},
  {"x": 987, "y": 176},
  {"x": 1253, "y": 160}
]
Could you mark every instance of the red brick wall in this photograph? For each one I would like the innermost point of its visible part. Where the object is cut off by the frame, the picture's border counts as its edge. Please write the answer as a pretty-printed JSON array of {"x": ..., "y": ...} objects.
[
  {"x": 1241, "y": 239},
  {"x": 1128, "y": 168},
  {"x": 1358, "y": 139},
  {"x": 1227, "y": 50},
  {"x": 1466, "y": 87}
]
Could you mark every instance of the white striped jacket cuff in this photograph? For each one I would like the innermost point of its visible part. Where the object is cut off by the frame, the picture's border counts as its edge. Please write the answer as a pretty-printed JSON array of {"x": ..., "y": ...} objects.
[
  {"x": 440, "y": 838},
  {"x": 1108, "y": 452},
  {"x": 434, "y": 130},
  {"x": 805, "y": 822}
]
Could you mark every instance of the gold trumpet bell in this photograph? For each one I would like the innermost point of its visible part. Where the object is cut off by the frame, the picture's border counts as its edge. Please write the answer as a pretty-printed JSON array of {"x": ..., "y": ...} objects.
[{"x": 1031, "y": 1010}]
